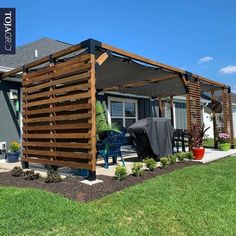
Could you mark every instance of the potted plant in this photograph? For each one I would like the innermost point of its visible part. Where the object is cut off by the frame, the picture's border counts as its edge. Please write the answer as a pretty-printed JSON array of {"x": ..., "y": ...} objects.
[
  {"x": 14, "y": 153},
  {"x": 197, "y": 134},
  {"x": 102, "y": 124},
  {"x": 223, "y": 140}
]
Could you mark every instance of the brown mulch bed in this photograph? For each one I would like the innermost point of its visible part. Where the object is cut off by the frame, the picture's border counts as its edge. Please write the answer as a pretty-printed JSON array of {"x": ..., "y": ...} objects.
[{"x": 72, "y": 188}]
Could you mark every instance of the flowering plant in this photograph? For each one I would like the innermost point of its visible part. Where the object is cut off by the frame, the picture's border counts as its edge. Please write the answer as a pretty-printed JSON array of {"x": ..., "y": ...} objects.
[
  {"x": 223, "y": 138},
  {"x": 14, "y": 146}
]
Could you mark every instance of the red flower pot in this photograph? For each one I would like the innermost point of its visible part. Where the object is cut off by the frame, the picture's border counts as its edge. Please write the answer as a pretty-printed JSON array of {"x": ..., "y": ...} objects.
[{"x": 198, "y": 153}]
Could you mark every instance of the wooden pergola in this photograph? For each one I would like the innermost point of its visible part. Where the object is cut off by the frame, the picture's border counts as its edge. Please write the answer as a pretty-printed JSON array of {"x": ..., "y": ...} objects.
[{"x": 59, "y": 99}]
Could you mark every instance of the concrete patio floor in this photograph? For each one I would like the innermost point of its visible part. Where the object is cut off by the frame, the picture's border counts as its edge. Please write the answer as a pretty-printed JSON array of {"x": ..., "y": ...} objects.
[
  {"x": 215, "y": 154},
  {"x": 130, "y": 157}
]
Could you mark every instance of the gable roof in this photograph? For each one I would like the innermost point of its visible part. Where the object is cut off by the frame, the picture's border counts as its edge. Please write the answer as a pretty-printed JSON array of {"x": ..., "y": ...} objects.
[{"x": 26, "y": 53}]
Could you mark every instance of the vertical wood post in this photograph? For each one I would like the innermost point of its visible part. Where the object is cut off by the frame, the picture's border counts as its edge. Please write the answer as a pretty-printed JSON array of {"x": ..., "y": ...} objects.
[
  {"x": 24, "y": 164},
  {"x": 92, "y": 100},
  {"x": 52, "y": 123}
]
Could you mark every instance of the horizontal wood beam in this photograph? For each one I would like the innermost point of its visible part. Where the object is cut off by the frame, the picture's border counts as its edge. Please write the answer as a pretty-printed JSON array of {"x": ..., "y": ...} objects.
[
  {"x": 211, "y": 82},
  {"x": 210, "y": 89},
  {"x": 158, "y": 64},
  {"x": 139, "y": 58},
  {"x": 141, "y": 83}
]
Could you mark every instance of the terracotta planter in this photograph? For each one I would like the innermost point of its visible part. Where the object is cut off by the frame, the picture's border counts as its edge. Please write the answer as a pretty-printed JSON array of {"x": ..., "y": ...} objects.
[
  {"x": 198, "y": 153},
  {"x": 224, "y": 146}
]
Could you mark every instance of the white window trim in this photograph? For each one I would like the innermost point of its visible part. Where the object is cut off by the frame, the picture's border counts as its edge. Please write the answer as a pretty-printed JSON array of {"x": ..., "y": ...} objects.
[{"x": 123, "y": 100}]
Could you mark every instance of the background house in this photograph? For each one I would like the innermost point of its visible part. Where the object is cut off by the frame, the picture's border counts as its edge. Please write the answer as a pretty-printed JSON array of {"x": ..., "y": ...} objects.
[
  {"x": 125, "y": 109},
  {"x": 10, "y": 89}
]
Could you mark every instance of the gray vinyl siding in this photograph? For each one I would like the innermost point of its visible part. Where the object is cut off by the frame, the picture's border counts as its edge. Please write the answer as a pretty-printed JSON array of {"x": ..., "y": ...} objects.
[
  {"x": 180, "y": 115},
  {"x": 144, "y": 108},
  {"x": 9, "y": 118}
]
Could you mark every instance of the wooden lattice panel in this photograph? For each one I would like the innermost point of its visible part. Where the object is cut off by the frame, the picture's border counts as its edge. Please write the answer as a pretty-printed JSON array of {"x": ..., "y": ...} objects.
[
  {"x": 194, "y": 104},
  {"x": 59, "y": 114},
  {"x": 227, "y": 114}
]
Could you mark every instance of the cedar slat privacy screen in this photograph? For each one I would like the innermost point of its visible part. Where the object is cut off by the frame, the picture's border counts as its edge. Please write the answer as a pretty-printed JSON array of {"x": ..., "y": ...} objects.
[
  {"x": 227, "y": 111},
  {"x": 194, "y": 104},
  {"x": 59, "y": 114}
]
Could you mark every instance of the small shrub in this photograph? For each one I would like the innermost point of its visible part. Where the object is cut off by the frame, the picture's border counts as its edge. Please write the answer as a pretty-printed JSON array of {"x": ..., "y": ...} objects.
[
  {"x": 164, "y": 162},
  {"x": 189, "y": 155},
  {"x": 181, "y": 156},
  {"x": 14, "y": 146},
  {"x": 17, "y": 171},
  {"x": 120, "y": 172},
  {"x": 51, "y": 167},
  {"x": 53, "y": 177},
  {"x": 150, "y": 163},
  {"x": 30, "y": 175},
  {"x": 137, "y": 169},
  {"x": 172, "y": 159}
]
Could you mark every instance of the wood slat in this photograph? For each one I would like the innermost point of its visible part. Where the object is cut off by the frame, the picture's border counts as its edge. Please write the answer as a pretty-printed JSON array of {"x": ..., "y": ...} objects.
[
  {"x": 58, "y": 91},
  {"x": 58, "y": 127},
  {"x": 45, "y": 70},
  {"x": 57, "y": 118},
  {"x": 57, "y": 144},
  {"x": 69, "y": 164},
  {"x": 58, "y": 109},
  {"x": 75, "y": 155},
  {"x": 55, "y": 100},
  {"x": 75, "y": 69},
  {"x": 74, "y": 78},
  {"x": 57, "y": 136}
]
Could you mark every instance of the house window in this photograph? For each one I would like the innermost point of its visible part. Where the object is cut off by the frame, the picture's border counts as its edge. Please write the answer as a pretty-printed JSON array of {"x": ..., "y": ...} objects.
[{"x": 122, "y": 111}]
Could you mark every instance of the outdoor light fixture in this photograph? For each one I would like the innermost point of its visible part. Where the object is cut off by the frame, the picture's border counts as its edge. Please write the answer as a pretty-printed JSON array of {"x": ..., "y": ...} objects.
[{"x": 14, "y": 94}]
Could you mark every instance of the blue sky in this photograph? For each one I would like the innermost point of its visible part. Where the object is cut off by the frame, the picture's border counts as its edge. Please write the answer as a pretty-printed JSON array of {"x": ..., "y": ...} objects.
[{"x": 195, "y": 35}]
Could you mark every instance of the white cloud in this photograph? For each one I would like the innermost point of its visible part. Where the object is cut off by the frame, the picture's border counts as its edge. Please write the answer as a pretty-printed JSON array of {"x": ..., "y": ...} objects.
[
  {"x": 205, "y": 59},
  {"x": 228, "y": 70},
  {"x": 234, "y": 88}
]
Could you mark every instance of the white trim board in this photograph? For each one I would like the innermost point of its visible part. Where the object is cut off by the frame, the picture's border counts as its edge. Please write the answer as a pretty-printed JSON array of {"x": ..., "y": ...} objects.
[{"x": 123, "y": 100}]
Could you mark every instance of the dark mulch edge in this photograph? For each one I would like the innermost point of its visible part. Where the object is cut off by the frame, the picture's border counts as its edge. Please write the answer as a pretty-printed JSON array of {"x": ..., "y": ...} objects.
[{"x": 72, "y": 188}]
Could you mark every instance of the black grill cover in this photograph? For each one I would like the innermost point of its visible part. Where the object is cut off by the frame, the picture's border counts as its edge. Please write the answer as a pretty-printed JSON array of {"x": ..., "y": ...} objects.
[{"x": 152, "y": 137}]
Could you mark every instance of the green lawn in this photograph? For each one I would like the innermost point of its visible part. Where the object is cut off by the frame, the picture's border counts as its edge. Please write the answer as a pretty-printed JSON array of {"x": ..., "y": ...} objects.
[
  {"x": 210, "y": 142},
  {"x": 198, "y": 200}
]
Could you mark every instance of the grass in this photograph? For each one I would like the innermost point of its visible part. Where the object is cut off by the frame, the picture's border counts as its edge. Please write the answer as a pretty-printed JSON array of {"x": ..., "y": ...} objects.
[
  {"x": 198, "y": 200},
  {"x": 210, "y": 143}
]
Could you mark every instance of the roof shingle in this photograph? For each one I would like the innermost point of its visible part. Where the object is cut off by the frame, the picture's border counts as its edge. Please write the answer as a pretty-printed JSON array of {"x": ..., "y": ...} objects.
[{"x": 26, "y": 53}]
